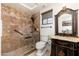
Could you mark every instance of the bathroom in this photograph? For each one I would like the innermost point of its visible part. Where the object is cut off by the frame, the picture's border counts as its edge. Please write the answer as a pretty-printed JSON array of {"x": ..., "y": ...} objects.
[{"x": 33, "y": 29}]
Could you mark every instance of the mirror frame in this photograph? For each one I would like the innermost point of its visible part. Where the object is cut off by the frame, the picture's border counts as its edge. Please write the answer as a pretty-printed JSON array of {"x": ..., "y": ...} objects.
[{"x": 74, "y": 21}]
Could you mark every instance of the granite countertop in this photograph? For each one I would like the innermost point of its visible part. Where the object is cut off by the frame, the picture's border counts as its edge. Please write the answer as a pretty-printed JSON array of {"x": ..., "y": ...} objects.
[{"x": 65, "y": 38}]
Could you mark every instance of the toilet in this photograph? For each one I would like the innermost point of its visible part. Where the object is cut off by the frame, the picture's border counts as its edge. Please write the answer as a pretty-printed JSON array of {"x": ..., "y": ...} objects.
[{"x": 41, "y": 46}]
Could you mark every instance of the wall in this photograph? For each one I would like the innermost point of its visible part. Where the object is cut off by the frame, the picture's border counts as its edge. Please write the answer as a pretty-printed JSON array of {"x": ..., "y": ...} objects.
[
  {"x": 56, "y": 7},
  {"x": 46, "y": 31},
  {"x": 37, "y": 21},
  {"x": 13, "y": 19},
  {"x": 36, "y": 33},
  {"x": 0, "y": 29},
  {"x": 78, "y": 23}
]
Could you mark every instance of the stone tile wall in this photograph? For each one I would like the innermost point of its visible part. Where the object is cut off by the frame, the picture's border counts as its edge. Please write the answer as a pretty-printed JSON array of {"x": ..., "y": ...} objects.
[{"x": 14, "y": 20}]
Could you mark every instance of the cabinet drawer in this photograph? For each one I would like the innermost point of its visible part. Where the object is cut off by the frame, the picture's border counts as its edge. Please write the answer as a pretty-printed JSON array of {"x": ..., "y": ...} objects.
[
  {"x": 78, "y": 49},
  {"x": 63, "y": 43}
]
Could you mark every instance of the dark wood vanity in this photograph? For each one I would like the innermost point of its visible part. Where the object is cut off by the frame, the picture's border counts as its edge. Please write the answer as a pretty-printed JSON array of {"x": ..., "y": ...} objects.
[
  {"x": 64, "y": 46},
  {"x": 65, "y": 42}
]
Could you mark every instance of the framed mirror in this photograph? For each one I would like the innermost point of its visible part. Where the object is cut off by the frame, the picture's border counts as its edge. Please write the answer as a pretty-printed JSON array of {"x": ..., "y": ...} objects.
[{"x": 66, "y": 22}]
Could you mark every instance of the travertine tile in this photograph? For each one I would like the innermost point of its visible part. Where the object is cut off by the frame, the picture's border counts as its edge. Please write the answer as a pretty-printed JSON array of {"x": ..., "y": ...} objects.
[{"x": 13, "y": 19}]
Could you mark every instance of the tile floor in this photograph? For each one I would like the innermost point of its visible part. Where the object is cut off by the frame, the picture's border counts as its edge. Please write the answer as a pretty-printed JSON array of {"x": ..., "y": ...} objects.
[
  {"x": 47, "y": 52},
  {"x": 34, "y": 53}
]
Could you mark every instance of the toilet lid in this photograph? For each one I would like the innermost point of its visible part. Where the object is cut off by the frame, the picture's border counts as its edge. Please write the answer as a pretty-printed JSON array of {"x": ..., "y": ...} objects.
[{"x": 41, "y": 43}]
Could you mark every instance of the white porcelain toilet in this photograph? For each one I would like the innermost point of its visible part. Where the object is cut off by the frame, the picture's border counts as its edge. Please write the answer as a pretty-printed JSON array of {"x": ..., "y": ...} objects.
[{"x": 41, "y": 46}]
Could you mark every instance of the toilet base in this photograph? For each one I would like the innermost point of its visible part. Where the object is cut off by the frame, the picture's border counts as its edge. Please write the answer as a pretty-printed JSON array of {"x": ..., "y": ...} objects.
[{"x": 41, "y": 52}]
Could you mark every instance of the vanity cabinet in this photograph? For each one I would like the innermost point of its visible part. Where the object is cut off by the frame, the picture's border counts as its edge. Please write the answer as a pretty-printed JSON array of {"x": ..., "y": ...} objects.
[
  {"x": 65, "y": 42},
  {"x": 78, "y": 49},
  {"x": 64, "y": 48}
]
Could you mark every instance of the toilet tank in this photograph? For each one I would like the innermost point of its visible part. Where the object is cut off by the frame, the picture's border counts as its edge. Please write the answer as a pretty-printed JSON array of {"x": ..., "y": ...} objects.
[{"x": 44, "y": 38}]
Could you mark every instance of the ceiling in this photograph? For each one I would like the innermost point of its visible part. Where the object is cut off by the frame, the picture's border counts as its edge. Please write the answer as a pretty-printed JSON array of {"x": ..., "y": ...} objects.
[
  {"x": 28, "y": 7},
  {"x": 32, "y": 6},
  {"x": 35, "y": 7}
]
